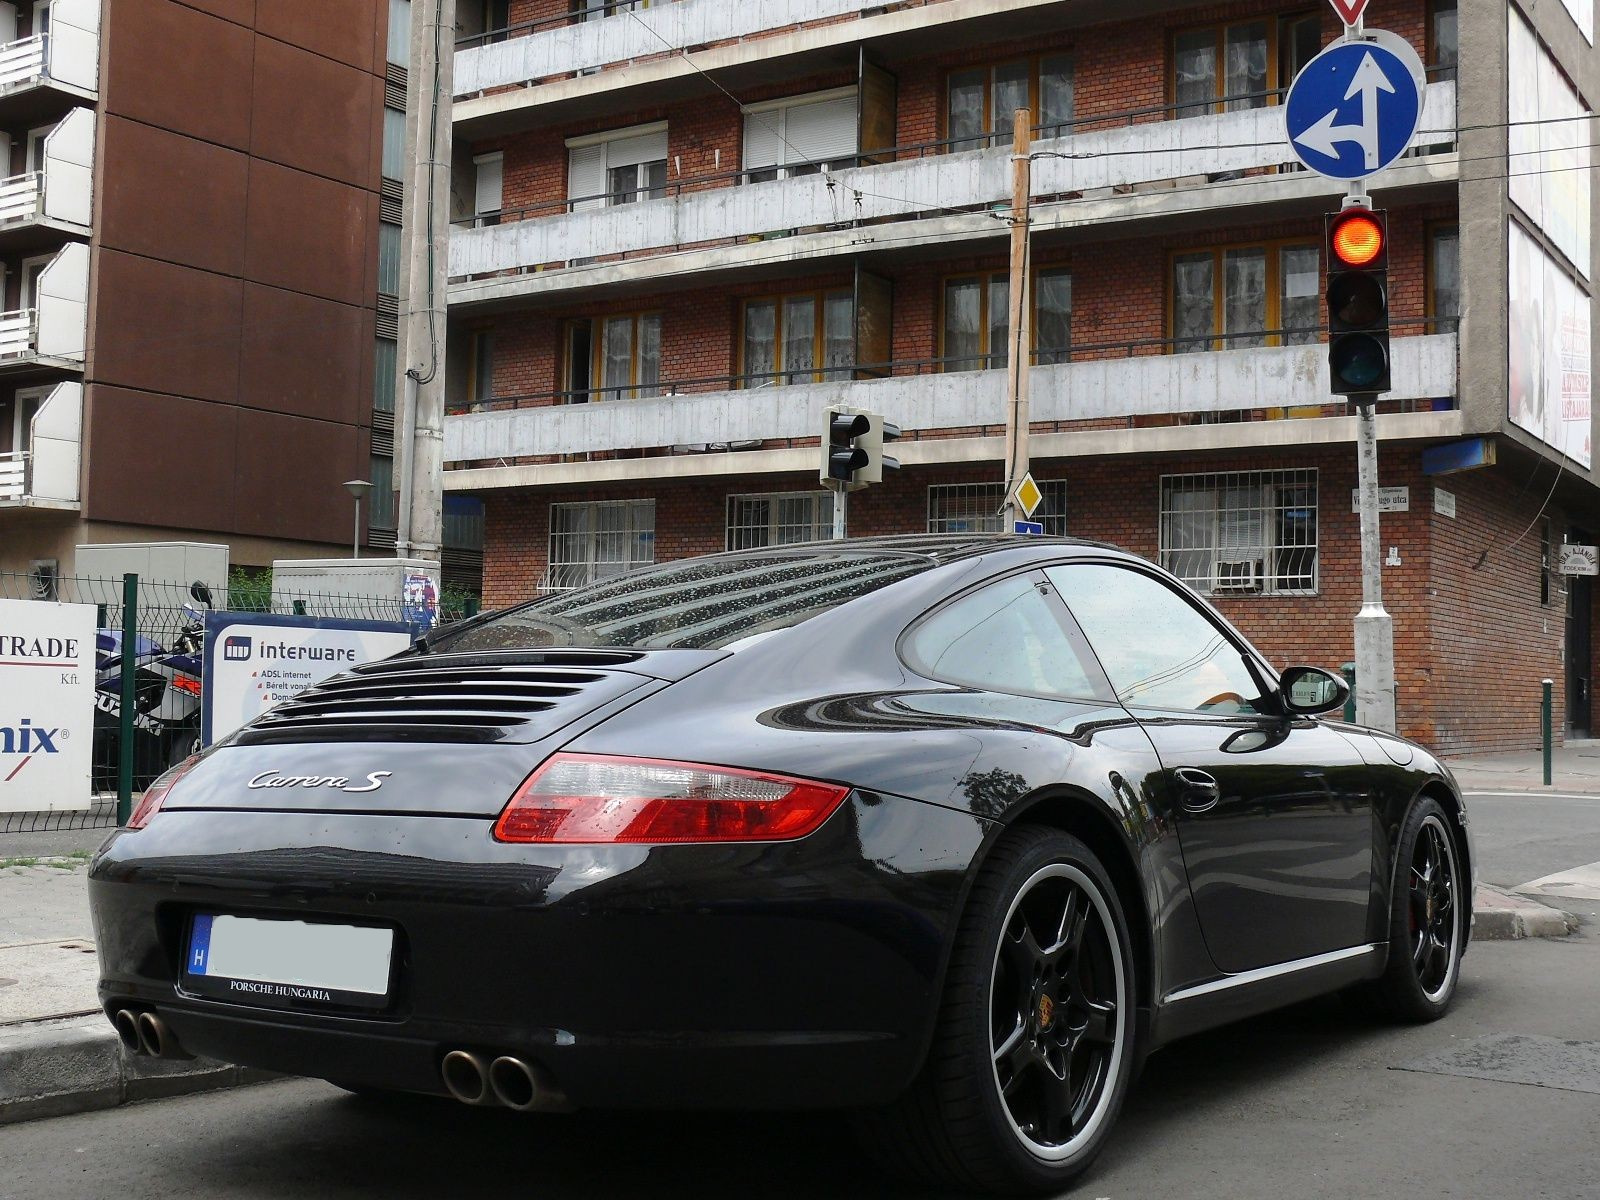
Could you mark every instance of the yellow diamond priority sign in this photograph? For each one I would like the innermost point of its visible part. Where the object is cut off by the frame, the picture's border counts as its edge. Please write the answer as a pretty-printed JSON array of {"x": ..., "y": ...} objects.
[{"x": 1028, "y": 494}]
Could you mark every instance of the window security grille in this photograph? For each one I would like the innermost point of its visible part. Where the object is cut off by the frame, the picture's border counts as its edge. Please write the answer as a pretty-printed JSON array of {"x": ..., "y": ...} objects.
[
  {"x": 589, "y": 542},
  {"x": 779, "y": 519},
  {"x": 1241, "y": 533},
  {"x": 975, "y": 507}
]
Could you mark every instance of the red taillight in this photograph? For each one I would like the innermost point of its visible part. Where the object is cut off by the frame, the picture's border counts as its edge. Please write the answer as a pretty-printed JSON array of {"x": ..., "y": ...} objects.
[
  {"x": 186, "y": 683},
  {"x": 156, "y": 794},
  {"x": 604, "y": 798}
]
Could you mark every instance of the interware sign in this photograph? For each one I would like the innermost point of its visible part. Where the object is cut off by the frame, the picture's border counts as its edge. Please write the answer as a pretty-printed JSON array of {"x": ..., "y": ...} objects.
[{"x": 46, "y": 705}]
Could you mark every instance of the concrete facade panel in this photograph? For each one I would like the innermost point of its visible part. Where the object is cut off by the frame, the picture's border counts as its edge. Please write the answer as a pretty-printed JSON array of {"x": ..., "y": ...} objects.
[
  {"x": 162, "y": 327},
  {"x": 309, "y": 234},
  {"x": 240, "y": 12},
  {"x": 303, "y": 355},
  {"x": 291, "y": 472},
  {"x": 156, "y": 474},
  {"x": 346, "y": 30},
  {"x": 312, "y": 113},
  {"x": 180, "y": 69},
  {"x": 172, "y": 197}
]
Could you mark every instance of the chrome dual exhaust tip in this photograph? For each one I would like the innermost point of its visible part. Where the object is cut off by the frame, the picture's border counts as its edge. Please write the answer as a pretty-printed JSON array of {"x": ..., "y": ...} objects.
[
  {"x": 127, "y": 1025},
  {"x": 466, "y": 1077},
  {"x": 521, "y": 1086},
  {"x": 147, "y": 1035}
]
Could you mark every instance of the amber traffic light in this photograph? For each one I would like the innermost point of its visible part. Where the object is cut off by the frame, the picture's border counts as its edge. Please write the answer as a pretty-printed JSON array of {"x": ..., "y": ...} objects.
[{"x": 1358, "y": 302}]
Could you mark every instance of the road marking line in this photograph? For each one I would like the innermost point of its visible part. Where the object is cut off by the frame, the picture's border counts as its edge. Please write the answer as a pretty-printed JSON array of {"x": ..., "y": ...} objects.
[{"x": 1539, "y": 795}]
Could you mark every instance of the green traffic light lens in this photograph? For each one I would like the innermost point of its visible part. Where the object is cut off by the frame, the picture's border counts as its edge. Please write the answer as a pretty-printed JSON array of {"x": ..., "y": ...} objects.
[
  {"x": 1357, "y": 361},
  {"x": 1356, "y": 300}
]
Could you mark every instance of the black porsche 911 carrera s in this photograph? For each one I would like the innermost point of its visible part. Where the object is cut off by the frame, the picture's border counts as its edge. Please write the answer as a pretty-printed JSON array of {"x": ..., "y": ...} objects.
[{"x": 948, "y": 831}]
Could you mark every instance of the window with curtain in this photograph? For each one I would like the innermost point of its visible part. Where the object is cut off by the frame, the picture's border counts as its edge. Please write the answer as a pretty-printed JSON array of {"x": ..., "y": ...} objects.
[
  {"x": 480, "y": 375},
  {"x": 1443, "y": 47},
  {"x": 589, "y": 542},
  {"x": 1242, "y": 532},
  {"x": 977, "y": 318},
  {"x": 975, "y": 507},
  {"x": 779, "y": 519},
  {"x": 979, "y": 101},
  {"x": 399, "y": 32},
  {"x": 807, "y": 337},
  {"x": 626, "y": 357},
  {"x": 385, "y": 368},
  {"x": 1235, "y": 297},
  {"x": 1241, "y": 64},
  {"x": 1444, "y": 278},
  {"x": 394, "y": 143},
  {"x": 388, "y": 258}
]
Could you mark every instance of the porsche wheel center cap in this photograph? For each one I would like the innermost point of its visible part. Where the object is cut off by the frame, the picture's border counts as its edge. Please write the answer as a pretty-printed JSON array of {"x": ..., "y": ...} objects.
[{"x": 1047, "y": 1010}]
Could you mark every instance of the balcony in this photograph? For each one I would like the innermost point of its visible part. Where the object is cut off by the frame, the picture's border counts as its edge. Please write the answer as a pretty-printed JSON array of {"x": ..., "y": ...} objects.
[
  {"x": 36, "y": 208},
  {"x": 45, "y": 475},
  {"x": 1137, "y": 389},
  {"x": 52, "y": 334},
  {"x": 45, "y": 73},
  {"x": 1093, "y": 164}
]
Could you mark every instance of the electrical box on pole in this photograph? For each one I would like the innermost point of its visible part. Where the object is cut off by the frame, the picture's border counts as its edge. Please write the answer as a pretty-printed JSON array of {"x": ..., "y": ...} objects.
[{"x": 1358, "y": 302}]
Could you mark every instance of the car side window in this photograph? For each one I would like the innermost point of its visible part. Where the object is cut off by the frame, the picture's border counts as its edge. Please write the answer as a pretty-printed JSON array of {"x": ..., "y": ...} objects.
[
  {"x": 1158, "y": 649},
  {"x": 1005, "y": 638}
]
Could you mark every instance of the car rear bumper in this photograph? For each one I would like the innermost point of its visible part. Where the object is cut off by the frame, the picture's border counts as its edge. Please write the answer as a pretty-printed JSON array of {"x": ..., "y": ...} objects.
[{"x": 801, "y": 974}]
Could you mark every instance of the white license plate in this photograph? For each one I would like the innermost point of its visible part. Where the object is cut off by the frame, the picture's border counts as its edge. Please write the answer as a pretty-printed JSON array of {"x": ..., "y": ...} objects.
[{"x": 284, "y": 962}]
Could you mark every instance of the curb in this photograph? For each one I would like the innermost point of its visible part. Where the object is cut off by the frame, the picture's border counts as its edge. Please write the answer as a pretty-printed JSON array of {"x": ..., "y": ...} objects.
[
  {"x": 1499, "y": 915},
  {"x": 50, "y": 1068}
]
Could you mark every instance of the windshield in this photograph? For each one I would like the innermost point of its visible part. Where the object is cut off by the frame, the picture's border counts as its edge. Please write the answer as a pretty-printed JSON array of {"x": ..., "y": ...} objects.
[{"x": 704, "y": 603}]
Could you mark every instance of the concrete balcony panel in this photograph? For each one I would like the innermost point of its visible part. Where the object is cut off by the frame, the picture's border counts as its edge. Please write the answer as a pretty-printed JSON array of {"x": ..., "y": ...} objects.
[
  {"x": 46, "y": 474},
  {"x": 38, "y": 207},
  {"x": 1424, "y": 368},
  {"x": 65, "y": 60},
  {"x": 1122, "y": 157}
]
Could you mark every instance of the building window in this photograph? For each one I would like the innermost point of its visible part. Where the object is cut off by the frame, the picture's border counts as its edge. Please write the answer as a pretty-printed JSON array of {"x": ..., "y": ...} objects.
[
  {"x": 1233, "y": 297},
  {"x": 979, "y": 102},
  {"x": 488, "y": 188},
  {"x": 496, "y": 19},
  {"x": 1243, "y": 533},
  {"x": 385, "y": 367},
  {"x": 614, "y": 358},
  {"x": 800, "y": 136},
  {"x": 779, "y": 519},
  {"x": 975, "y": 507},
  {"x": 394, "y": 143},
  {"x": 620, "y": 167},
  {"x": 590, "y": 542},
  {"x": 381, "y": 506},
  {"x": 977, "y": 318},
  {"x": 388, "y": 259},
  {"x": 1443, "y": 47},
  {"x": 1244, "y": 64},
  {"x": 804, "y": 338},
  {"x": 593, "y": 10},
  {"x": 480, "y": 365},
  {"x": 1444, "y": 278},
  {"x": 400, "y": 32}
]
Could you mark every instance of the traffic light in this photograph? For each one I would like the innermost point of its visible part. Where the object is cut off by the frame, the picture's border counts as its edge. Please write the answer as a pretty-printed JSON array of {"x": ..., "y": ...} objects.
[
  {"x": 1358, "y": 302},
  {"x": 842, "y": 455},
  {"x": 878, "y": 432}
]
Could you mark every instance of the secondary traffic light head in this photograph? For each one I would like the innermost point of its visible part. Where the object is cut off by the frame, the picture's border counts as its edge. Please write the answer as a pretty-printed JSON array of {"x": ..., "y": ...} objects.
[
  {"x": 841, "y": 456},
  {"x": 1358, "y": 302}
]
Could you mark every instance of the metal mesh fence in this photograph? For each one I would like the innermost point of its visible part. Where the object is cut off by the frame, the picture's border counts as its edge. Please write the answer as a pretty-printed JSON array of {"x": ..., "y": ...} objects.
[{"x": 167, "y": 686}]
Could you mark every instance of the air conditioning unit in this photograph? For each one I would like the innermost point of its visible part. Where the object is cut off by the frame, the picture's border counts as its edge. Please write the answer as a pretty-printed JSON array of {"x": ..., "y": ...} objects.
[{"x": 1237, "y": 575}]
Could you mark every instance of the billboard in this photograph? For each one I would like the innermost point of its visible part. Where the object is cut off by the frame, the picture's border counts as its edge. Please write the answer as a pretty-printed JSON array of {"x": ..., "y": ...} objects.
[
  {"x": 46, "y": 705},
  {"x": 254, "y": 661},
  {"x": 1549, "y": 392},
  {"x": 1549, "y": 145}
]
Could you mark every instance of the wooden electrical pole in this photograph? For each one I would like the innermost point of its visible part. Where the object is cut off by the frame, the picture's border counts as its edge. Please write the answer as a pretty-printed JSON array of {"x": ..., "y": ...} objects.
[{"x": 1018, "y": 334}]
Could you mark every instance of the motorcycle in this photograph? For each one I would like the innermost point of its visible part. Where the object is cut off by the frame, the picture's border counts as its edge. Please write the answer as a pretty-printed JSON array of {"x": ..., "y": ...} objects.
[{"x": 167, "y": 697}]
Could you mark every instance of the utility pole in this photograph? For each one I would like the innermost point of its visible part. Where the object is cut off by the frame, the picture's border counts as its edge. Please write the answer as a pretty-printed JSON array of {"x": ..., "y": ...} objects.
[
  {"x": 1374, "y": 626},
  {"x": 1017, "y": 353},
  {"x": 419, "y": 440}
]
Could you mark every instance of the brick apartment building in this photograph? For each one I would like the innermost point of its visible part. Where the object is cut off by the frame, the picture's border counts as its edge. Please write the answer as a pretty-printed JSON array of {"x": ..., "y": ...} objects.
[
  {"x": 683, "y": 229},
  {"x": 200, "y": 237}
]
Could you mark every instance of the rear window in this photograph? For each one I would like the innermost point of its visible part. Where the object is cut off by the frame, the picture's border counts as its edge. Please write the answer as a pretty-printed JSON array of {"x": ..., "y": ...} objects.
[{"x": 706, "y": 603}]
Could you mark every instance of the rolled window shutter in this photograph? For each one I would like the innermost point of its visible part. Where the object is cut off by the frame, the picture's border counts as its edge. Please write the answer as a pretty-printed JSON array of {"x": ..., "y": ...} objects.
[
  {"x": 821, "y": 132},
  {"x": 763, "y": 141},
  {"x": 629, "y": 152},
  {"x": 490, "y": 183},
  {"x": 586, "y": 176}
]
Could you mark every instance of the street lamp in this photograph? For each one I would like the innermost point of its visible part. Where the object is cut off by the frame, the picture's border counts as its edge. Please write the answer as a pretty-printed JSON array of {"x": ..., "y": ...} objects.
[{"x": 357, "y": 488}]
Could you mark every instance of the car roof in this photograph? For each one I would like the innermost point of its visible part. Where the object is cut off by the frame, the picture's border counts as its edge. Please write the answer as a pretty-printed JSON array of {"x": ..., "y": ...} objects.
[{"x": 938, "y": 548}]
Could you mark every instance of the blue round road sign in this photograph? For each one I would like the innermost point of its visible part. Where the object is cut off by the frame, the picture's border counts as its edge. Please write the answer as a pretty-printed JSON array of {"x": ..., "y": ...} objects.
[{"x": 1355, "y": 107}]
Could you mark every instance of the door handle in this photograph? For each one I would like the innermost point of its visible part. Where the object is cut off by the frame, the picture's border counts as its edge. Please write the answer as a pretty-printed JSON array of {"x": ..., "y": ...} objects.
[{"x": 1197, "y": 790}]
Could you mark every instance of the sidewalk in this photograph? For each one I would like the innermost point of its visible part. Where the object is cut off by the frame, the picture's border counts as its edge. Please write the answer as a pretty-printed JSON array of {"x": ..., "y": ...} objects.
[
  {"x": 1574, "y": 768},
  {"x": 58, "y": 1053}
]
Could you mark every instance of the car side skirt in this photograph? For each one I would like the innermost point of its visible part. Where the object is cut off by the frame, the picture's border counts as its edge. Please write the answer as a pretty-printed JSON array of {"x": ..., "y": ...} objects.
[{"x": 1235, "y": 997}]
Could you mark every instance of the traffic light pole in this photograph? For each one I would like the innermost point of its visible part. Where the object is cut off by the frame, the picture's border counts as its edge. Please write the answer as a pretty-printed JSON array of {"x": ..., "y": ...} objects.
[
  {"x": 1374, "y": 627},
  {"x": 841, "y": 512}
]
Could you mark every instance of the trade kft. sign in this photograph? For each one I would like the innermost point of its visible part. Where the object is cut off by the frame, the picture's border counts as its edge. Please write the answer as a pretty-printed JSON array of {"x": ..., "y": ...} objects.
[{"x": 46, "y": 705}]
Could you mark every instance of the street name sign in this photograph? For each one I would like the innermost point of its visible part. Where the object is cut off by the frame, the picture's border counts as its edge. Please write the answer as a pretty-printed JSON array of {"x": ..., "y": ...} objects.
[
  {"x": 1390, "y": 499},
  {"x": 1355, "y": 108},
  {"x": 1349, "y": 10}
]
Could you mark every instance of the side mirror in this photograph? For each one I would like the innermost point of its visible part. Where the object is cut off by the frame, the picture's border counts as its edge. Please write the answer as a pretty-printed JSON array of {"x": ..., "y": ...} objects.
[
  {"x": 1308, "y": 691},
  {"x": 200, "y": 592}
]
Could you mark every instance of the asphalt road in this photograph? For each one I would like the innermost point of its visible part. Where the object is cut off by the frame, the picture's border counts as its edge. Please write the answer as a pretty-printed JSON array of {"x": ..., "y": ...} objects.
[{"x": 1521, "y": 838}]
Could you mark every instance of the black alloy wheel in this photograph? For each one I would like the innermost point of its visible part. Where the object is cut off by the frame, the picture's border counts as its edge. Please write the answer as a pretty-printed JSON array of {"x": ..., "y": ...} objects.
[
  {"x": 1035, "y": 1046},
  {"x": 1427, "y": 919}
]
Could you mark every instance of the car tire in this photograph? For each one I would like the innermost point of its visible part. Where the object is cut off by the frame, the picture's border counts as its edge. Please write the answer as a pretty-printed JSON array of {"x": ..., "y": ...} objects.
[
  {"x": 1034, "y": 1049},
  {"x": 1427, "y": 919}
]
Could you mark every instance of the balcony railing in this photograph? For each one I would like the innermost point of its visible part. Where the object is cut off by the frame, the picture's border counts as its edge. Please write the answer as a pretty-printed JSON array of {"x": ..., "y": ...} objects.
[
  {"x": 1109, "y": 151},
  {"x": 1124, "y": 382},
  {"x": 22, "y": 61},
  {"x": 21, "y": 198},
  {"x": 19, "y": 334},
  {"x": 13, "y": 476},
  {"x": 577, "y": 42}
]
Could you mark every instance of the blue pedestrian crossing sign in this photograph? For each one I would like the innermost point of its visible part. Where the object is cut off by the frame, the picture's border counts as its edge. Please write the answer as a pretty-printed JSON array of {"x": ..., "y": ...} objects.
[
  {"x": 1355, "y": 108},
  {"x": 1034, "y": 527}
]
